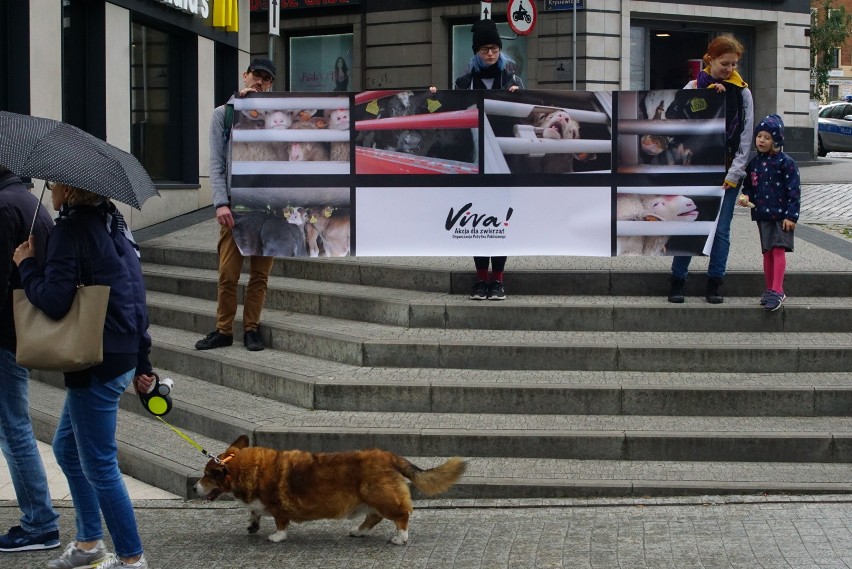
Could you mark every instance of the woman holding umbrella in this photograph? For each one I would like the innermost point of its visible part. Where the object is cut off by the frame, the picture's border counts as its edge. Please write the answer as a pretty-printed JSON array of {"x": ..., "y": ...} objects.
[{"x": 84, "y": 443}]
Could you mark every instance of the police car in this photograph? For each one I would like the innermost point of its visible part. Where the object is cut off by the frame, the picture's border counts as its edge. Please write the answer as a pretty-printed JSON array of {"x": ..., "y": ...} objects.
[{"x": 835, "y": 128}]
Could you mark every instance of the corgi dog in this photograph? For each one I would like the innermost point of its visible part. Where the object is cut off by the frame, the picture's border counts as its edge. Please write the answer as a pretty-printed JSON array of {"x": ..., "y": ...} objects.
[{"x": 298, "y": 486}]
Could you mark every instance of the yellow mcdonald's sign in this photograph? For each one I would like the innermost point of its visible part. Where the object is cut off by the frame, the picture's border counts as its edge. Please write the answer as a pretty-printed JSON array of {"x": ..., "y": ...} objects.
[{"x": 226, "y": 15}]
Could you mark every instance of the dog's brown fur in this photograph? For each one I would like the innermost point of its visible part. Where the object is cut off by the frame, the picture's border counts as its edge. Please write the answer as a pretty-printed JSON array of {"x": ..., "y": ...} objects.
[{"x": 298, "y": 486}]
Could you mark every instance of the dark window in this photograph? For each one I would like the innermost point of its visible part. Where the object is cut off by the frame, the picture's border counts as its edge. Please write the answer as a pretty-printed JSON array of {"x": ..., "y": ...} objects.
[
  {"x": 838, "y": 111},
  {"x": 15, "y": 56},
  {"x": 83, "y": 66},
  {"x": 164, "y": 116},
  {"x": 226, "y": 78}
]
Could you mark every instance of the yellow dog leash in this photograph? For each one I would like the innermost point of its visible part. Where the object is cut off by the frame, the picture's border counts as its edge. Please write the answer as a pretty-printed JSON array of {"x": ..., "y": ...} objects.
[{"x": 190, "y": 441}]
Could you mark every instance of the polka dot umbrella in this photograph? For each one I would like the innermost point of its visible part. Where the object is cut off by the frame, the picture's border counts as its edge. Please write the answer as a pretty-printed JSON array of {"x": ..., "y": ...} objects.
[{"x": 59, "y": 152}]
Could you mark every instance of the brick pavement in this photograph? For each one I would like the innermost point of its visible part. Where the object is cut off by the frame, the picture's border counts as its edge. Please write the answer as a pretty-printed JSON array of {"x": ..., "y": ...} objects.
[
  {"x": 681, "y": 533},
  {"x": 822, "y": 203}
]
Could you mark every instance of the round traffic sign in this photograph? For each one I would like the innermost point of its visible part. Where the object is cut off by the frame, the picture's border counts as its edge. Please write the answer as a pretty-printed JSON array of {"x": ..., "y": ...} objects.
[{"x": 521, "y": 15}]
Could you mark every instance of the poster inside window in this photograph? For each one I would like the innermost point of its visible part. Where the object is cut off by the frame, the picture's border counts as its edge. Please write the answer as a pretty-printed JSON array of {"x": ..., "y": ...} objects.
[{"x": 321, "y": 63}]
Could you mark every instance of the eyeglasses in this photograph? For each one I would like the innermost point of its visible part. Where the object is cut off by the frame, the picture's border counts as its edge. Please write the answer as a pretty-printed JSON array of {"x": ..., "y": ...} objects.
[
  {"x": 486, "y": 49},
  {"x": 265, "y": 77}
]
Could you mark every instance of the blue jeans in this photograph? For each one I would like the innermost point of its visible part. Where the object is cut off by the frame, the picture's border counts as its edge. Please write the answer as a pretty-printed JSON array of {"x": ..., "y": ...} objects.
[
  {"x": 721, "y": 242},
  {"x": 19, "y": 447},
  {"x": 86, "y": 450}
]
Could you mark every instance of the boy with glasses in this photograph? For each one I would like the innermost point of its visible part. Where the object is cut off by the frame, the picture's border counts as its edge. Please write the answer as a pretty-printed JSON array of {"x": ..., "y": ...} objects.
[{"x": 489, "y": 69}]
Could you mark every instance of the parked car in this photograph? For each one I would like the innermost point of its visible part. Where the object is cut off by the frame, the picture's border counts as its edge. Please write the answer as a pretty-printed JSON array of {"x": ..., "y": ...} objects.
[{"x": 834, "y": 131}]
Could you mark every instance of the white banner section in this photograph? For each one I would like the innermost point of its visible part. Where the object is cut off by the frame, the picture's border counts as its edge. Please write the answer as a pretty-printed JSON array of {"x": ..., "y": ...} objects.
[{"x": 419, "y": 221}]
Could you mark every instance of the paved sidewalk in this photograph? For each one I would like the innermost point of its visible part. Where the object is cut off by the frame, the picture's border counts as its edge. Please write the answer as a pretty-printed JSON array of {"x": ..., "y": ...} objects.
[{"x": 709, "y": 533}]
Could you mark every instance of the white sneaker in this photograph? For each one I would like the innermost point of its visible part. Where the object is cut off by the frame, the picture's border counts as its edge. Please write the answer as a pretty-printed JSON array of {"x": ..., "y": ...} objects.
[
  {"x": 113, "y": 561},
  {"x": 75, "y": 558}
]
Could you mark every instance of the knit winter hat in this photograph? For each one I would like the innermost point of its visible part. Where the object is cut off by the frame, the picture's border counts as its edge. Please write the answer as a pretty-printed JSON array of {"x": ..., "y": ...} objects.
[
  {"x": 485, "y": 33},
  {"x": 774, "y": 126}
]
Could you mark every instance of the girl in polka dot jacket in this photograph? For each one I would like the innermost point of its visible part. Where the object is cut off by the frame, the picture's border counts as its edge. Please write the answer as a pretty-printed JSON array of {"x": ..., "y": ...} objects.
[{"x": 771, "y": 189}]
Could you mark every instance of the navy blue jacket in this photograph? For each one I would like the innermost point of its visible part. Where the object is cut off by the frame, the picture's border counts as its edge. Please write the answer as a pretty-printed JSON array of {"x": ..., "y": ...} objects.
[
  {"x": 772, "y": 185},
  {"x": 113, "y": 262},
  {"x": 17, "y": 207}
]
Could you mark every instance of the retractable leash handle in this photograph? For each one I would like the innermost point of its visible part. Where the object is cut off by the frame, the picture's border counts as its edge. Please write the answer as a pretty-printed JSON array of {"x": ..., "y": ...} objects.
[{"x": 157, "y": 400}]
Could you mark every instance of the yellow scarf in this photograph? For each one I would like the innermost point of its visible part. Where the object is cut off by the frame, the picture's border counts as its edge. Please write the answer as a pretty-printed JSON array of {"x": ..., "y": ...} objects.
[{"x": 734, "y": 79}]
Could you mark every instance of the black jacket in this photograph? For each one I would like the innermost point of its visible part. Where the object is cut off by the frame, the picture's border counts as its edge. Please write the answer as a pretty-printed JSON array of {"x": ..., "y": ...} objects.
[
  {"x": 505, "y": 80},
  {"x": 113, "y": 261},
  {"x": 17, "y": 207}
]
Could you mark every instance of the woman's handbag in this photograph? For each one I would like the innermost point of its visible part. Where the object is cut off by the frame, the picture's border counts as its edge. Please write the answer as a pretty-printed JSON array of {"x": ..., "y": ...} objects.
[{"x": 71, "y": 343}]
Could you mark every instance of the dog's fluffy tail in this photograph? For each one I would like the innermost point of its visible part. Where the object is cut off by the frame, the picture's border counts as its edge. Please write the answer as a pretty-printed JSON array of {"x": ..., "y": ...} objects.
[{"x": 435, "y": 480}]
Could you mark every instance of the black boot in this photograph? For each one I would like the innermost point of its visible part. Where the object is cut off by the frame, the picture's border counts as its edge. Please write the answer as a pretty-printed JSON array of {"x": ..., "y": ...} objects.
[
  {"x": 714, "y": 290},
  {"x": 676, "y": 292}
]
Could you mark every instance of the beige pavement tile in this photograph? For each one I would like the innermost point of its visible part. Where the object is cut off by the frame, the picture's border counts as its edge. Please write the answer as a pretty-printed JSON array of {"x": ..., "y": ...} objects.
[{"x": 59, "y": 486}]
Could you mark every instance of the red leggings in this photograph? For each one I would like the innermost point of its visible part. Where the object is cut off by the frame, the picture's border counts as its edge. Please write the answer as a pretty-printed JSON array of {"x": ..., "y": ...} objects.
[
  {"x": 774, "y": 265},
  {"x": 498, "y": 264}
]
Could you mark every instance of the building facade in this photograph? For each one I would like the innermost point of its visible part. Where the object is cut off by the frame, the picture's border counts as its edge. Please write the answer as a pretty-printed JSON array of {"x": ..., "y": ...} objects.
[
  {"x": 146, "y": 74},
  {"x": 143, "y": 75},
  {"x": 840, "y": 77}
]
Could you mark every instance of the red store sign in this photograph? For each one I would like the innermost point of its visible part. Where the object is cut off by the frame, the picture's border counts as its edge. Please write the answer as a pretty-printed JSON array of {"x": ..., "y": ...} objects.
[{"x": 263, "y": 5}]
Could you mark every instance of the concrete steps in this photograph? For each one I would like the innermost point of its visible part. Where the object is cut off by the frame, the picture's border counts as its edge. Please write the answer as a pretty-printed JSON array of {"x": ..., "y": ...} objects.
[
  {"x": 543, "y": 456},
  {"x": 379, "y": 345},
  {"x": 397, "y": 274},
  {"x": 424, "y": 309},
  {"x": 582, "y": 383},
  {"x": 316, "y": 383}
]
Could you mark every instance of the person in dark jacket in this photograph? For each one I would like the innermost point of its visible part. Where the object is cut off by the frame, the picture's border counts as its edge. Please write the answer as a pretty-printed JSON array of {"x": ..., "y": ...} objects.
[
  {"x": 39, "y": 524},
  {"x": 84, "y": 443},
  {"x": 771, "y": 186},
  {"x": 489, "y": 69}
]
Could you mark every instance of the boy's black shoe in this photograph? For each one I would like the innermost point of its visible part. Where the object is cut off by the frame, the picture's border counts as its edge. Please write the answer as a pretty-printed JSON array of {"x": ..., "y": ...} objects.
[
  {"x": 496, "y": 291},
  {"x": 214, "y": 339},
  {"x": 479, "y": 291},
  {"x": 252, "y": 341}
]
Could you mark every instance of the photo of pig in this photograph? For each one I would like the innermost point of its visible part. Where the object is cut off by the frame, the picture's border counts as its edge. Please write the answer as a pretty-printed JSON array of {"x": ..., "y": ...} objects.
[
  {"x": 656, "y": 224},
  {"x": 670, "y": 131},
  {"x": 547, "y": 132},
  {"x": 276, "y": 133}
]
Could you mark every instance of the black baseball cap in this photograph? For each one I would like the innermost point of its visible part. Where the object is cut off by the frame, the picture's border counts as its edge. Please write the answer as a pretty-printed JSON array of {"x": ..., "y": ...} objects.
[{"x": 262, "y": 64}]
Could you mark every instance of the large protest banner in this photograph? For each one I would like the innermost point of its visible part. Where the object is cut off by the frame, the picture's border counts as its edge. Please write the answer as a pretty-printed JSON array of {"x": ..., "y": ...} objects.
[{"x": 477, "y": 173}]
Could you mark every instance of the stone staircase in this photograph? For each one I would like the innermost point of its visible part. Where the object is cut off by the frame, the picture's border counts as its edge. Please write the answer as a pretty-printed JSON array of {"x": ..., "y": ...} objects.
[{"x": 601, "y": 392}]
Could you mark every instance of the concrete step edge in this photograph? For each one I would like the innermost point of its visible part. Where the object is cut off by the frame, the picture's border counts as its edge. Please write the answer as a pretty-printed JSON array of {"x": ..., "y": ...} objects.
[{"x": 333, "y": 391}]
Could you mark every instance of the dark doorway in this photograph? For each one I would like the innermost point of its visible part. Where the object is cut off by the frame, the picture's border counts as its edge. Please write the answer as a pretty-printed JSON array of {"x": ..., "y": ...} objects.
[
  {"x": 670, "y": 55},
  {"x": 15, "y": 56}
]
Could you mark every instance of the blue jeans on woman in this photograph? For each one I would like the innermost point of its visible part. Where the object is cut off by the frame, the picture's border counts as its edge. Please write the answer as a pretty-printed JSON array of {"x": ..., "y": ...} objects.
[
  {"x": 721, "y": 242},
  {"x": 86, "y": 450},
  {"x": 18, "y": 443}
]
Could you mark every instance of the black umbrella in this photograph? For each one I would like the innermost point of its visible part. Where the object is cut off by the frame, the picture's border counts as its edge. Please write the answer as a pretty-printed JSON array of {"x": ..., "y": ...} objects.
[{"x": 52, "y": 150}]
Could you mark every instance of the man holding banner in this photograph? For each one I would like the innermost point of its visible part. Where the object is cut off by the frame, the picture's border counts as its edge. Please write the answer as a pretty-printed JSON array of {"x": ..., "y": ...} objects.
[{"x": 257, "y": 78}]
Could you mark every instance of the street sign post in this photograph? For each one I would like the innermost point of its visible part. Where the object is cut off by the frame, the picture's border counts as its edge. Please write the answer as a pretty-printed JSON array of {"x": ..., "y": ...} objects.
[
  {"x": 485, "y": 10},
  {"x": 521, "y": 15},
  {"x": 274, "y": 18}
]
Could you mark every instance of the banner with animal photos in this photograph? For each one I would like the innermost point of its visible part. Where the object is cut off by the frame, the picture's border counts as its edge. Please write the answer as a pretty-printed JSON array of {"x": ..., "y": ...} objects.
[{"x": 462, "y": 173}]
